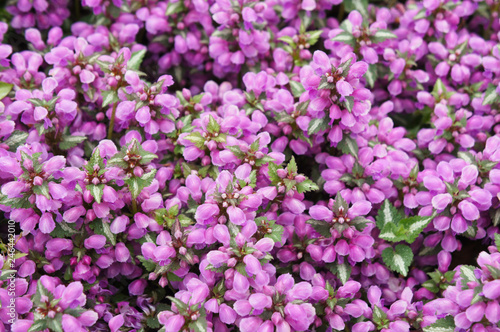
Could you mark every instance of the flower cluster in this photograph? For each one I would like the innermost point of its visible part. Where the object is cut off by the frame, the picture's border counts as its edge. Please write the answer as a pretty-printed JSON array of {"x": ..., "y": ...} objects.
[{"x": 260, "y": 165}]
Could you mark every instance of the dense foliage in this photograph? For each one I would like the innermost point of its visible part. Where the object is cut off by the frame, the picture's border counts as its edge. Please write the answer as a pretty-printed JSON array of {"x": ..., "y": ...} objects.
[{"x": 255, "y": 166}]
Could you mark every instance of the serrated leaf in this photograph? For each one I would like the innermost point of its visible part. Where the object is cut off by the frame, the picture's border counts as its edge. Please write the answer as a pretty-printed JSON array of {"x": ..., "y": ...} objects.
[
  {"x": 102, "y": 228},
  {"x": 70, "y": 141},
  {"x": 39, "y": 325},
  {"x": 199, "y": 325},
  {"x": 136, "y": 59},
  {"x": 6, "y": 274},
  {"x": 324, "y": 84},
  {"x": 96, "y": 191},
  {"x": 277, "y": 233},
  {"x": 344, "y": 37},
  {"x": 467, "y": 156},
  {"x": 16, "y": 139},
  {"x": 316, "y": 125},
  {"x": 314, "y": 36},
  {"x": 439, "y": 88},
  {"x": 398, "y": 260},
  {"x": 109, "y": 97},
  {"x": 343, "y": 272},
  {"x": 490, "y": 95},
  {"x": 5, "y": 88},
  {"x": 382, "y": 35},
  {"x": 136, "y": 184},
  {"x": 305, "y": 186},
  {"x": 213, "y": 126},
  {"x": 42, "y": 190},
  {"x": 273, "y": 175},
  {"x": 348, "y": 145},
  {"x": 197, "y": 139},
  {"x": 379, "y": 316},
  {"x": 340, "y": 204},
  {"x": 371, "y": 75},
  {"x": 320, "y": 226},
  {"x": 349, "y": 103},
  {"x": 297, "y": 88},
  {"x": 360, "y": 5},
  {"x": 292, "y": 166},
  {"x": 288, "y": 40},
  {"x": 446, "y": 324},
  {"x": 387, "y": 214},
  {"x": 497, "y": 241},
  {"x": 413, "y": 226},
  {"x": 467, "y": 275}
]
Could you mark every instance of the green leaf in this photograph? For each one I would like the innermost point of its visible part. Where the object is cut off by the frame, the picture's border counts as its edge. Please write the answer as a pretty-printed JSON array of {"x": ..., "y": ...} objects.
[
  {"x": 420, "y": 15},
  {"x": 5, "y": 88},
  {"x": 345, "y": 37},
  {"x": 55, "y": 324},
  {"x": 136, "y": 59},
  {"x": 6, "y": 274},
  {"x": 343, "y": 272},
  {"x": 349, "y": 103},
  {"x": 96, "y": 191},
  {"x": 446, "y": 324},
  {"x": 16, "y": 139},
  {"x": 382, "y": 35},
  {"x": 346, "y": 66},
  {"x": 413, "y": 226},
  {"x": 316, "y": 125},
  {"x": 360, "y": 5},
  {"x": 102, "y": 228},
  {"x": 320, "y": 226},
  {"x": 277, "y": 233},
  {"x": 339, "y": 204},
  {"x": 439, "y": 88},
  {"x": 136, "y": 185},
  {"x": 273, "y": 175},
  {"x": 40, "y": 293},
  {"x": 174, "y": 8},
  {"x": 297, "y": 88},
  {"x": 305, "y": 186},
  {"x": 42, "y": 190},
  {"x": 288, "y": 40},
  {"x": 467, "y": 275},
  {"x": 314, "y": 36},
  {"x": 490, "y": 95},
  {"x": 467, "y": 156},
  {"x": 199, "y": 325},
  {"x": 348, "y": 145},
  {"x": 324, "y": 84},
  {"x": 213, "y": 126},
  {"x": 497, "y": 241},
  {"x": 371, "y": 75},
  {"x": 109, "y": 97},
  {"x": 198, "y": 140},
  {"x": 387, "y": 214},
  {"x": 398, "y": 260},
  {"x": 292, "y": 166},
  {"x": 39, "y": 325},
  {"x": 379, "y": 316},
  {"x": 95, "y": 159},
  {"x": 70, "y": 141}
]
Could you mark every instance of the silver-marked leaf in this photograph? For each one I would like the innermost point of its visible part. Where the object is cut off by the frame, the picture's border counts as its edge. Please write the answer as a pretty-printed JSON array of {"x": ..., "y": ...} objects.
[{"x": 398, "y": 259}]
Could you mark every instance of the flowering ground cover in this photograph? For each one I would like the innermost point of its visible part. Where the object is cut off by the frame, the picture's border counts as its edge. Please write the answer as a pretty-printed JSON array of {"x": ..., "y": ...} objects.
[{"x": 255, "y": 166}]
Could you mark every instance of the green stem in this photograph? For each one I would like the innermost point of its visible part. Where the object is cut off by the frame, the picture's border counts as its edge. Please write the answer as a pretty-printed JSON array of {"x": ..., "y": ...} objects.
[
  {"x": 112, "y": 121},
  {"x": 134, "y": 206}
]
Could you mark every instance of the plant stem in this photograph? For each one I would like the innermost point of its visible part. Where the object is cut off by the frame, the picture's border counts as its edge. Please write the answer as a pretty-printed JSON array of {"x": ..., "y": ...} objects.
[
  {"x": 112, "y": 121},
  {"x": 134, "y": 206}
]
